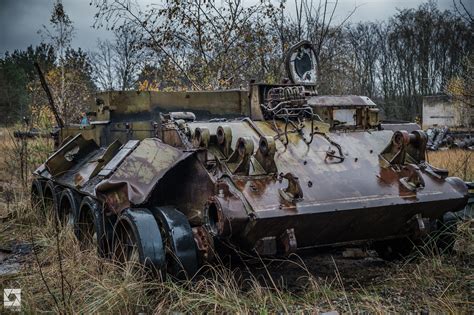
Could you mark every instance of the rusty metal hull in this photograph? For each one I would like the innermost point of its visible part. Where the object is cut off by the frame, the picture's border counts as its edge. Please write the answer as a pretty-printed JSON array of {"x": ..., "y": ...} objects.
[
  {"x": 301, "y": 170},
  {"x": 341, "y": 201},
  {"x": 338, "y": 223},
  {"x": 349, "y": 201}
]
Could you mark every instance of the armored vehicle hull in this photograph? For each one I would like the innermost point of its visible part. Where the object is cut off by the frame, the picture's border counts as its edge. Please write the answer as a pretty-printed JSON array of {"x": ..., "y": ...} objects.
[{"x": 271, "y": 170}]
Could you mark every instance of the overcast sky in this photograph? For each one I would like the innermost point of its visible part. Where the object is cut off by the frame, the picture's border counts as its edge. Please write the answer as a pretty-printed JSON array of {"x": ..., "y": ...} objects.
[{"x": 21, "y": 19}]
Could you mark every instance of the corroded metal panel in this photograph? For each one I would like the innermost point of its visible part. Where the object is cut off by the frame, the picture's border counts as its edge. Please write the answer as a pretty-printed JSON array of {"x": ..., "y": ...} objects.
[
  {"x": 118, "y": 158},
  {"x": 133, "y": 181},
  {"x": 333, "y": 200},
  {"x": 69, "y": 155},
  {"x": 229, "y": 102}
]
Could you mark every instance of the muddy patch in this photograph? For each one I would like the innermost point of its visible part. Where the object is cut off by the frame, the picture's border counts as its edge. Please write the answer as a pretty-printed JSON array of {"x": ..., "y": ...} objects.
[
  {"x": 329, "y": 266},
  {"x": 12, "y": 257}
]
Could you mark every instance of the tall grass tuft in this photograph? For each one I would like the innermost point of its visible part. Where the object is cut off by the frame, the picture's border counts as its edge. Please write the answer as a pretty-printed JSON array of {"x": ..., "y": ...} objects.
[{"x": 459, "y": 163}]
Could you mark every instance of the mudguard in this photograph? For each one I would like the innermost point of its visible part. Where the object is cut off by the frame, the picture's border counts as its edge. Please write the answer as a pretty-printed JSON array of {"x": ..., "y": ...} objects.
[{"x": 180, "y": 238}]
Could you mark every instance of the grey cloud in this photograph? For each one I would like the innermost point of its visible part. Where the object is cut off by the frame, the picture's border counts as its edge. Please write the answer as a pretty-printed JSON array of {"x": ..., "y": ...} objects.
[{"x": 21, "y": 19}]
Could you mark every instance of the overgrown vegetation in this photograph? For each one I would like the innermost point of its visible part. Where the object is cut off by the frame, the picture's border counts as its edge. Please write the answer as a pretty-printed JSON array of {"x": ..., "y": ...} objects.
[
  {"x": 429, "y": 280},
  {"x": 224, "y": 44},
  {"x": 460, "y": 163},
  {"x": 201, "y": 45},
  {"x": 68, "y": 72}
]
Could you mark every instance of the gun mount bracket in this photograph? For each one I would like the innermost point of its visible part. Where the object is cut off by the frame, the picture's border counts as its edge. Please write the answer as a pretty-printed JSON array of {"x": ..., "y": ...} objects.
[
  {"x": 293, "y": 192},
  {"x": 239, "y": 161}
]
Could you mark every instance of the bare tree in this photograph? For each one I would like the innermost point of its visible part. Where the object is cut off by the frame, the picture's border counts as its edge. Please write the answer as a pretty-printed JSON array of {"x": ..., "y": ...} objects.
[
  {"x": 208, "y": 45},
  {"x": 366, "y": 53},
  {"x": 461, "y": 10},
  {"x": 461, "y": 88},
  {"x": 103, "y": 68},
  {"x": 116, "y": 63},
  {"x": 128, "y": 56},
  {"x": 60, "y": 34}
]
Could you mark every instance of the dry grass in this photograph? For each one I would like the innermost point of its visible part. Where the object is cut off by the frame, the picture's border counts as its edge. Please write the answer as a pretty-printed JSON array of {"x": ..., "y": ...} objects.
[
  {"x": 459, "y": 163},
  {"x": 430, "y": 282}
]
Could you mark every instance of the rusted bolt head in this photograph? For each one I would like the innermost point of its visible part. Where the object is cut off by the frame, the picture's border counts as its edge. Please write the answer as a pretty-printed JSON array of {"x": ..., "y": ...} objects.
[{"x": 253, "y": 187}]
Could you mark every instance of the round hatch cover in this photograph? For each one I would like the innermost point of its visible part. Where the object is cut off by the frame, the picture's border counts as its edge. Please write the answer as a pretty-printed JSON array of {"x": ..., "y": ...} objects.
[{"x": 301, "y": 63}]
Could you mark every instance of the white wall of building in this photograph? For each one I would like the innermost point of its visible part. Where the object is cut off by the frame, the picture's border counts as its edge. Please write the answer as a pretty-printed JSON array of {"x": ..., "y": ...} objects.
[{"x": 442, "y": 111}]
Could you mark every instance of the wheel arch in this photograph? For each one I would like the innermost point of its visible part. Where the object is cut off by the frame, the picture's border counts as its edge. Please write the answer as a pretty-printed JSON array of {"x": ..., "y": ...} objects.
[{"x": 176, "y": 225}]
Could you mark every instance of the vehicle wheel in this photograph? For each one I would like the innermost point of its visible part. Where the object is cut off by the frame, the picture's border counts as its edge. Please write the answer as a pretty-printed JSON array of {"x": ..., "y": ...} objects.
[
  {"x": 446, "y": 234},
  {"x": 68, "y": 209},
  {"x": 137, "y": 238},
  {"x": 93, "y": 227},
  {"x": 180, "y": 247},
  {"x": 394, "y": 249},
  {"x": 51, "y": 196},
  {"x": 36, "y": 195}
]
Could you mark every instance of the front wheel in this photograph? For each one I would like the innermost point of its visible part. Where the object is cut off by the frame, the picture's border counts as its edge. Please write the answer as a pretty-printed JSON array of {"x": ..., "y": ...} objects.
[
  {"x": 446, "y": 233},
  {"x": 51, "y": 198},
  {"x": 137, "y": 239}
]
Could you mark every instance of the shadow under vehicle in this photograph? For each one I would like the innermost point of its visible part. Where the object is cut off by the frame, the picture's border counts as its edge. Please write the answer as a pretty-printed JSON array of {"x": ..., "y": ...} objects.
[{"x": 162, "y": 177}]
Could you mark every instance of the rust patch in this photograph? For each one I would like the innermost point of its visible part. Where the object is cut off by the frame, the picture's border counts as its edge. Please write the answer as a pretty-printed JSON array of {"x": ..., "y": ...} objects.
[
  {"x": 204, "y": 243},
  {"x": 141, "y": 171}
]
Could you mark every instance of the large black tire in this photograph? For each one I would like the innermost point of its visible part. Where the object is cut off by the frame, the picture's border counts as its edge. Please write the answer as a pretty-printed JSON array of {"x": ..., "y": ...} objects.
[
  {"x": 36, "y": 198},
  {"x": 181, "y": 252},
  {"x": 137, "y": 238},
  {"x": 68, "y": 208},
  {"x": 446, "y": 233},
  {"x": 51, "y": 196},
  {"x": 94, "y": 227}
]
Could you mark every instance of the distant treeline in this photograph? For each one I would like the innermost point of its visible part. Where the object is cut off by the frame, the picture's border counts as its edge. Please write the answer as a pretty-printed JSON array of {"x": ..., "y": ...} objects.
[{"x": 204, "y": 45}]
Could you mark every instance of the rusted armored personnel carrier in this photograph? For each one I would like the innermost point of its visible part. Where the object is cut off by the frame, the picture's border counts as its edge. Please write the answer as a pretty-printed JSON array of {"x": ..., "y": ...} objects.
[{"x": 164, "y": 176}]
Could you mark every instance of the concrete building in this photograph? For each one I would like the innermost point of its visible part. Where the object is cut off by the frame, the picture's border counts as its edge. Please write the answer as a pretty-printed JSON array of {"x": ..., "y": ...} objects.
[{"x": 443, "y": 110}]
